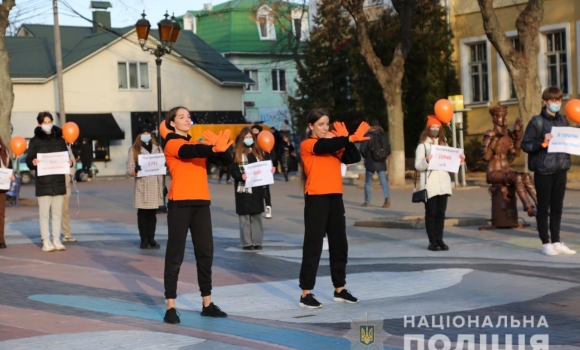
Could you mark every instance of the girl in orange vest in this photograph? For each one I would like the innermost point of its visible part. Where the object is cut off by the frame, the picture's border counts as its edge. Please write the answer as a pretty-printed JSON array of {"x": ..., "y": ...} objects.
[
  {"x": 188, "y": 206},
  {"x": 324, "y": 208}
]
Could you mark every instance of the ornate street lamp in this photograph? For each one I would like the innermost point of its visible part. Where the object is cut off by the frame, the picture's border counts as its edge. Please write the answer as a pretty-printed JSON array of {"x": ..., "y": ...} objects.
[
  {"x": 169, "y": 31},
  {"x": 168, "y": 34}
]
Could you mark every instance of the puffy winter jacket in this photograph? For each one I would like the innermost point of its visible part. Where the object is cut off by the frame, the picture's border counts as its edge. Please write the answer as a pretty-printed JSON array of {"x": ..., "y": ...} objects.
[{"x": 48, "y": 185}]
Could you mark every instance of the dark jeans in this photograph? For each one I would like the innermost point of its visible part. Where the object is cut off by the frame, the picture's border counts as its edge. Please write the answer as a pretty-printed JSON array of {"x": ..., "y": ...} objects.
[
  {"x": 179, "y": 221},
  {"x": 267, "y": 196},
  {"x": 146, "y": 222},
  {"x": 550, "y": 190},
  {"x": 224, "y": 170},
  {"x": 324, "y": 214},
  {"x": 87, "y": 167},
  {"x": 435, "y": 217}
]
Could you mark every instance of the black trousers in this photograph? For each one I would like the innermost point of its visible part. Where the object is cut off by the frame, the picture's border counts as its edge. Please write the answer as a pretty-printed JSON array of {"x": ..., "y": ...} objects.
[
  {"x": 324, "y": 214},
  {"x": 267, "y": 197},
  {"x": 550, "y": 190},
  {"x": 146, "y": 222},
  {"x": 179, "y": 221},
  {"x": 435, "y": 217},
  {"x": 224, "y": 170}
]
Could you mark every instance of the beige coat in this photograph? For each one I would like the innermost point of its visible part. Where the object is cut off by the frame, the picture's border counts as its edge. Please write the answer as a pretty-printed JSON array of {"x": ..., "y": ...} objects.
[
  {"x": 148, "y": 190},
  {"x": 438, "y": 181}
]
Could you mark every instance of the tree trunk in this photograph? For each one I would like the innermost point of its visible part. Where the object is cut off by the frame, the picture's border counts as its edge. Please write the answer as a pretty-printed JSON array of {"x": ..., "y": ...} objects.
[
  {"x": 390, "y": 78},
  {"x": 6, "y": 91}
]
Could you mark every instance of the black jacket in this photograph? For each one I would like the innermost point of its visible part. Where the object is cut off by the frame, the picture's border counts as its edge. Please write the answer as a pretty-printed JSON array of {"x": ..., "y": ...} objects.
[
  {"x": 87, "y": 152},
  {"x": 247, "y": 203},
  {"x": 370, "y": 163},
  {"x": 539, "y": 160},
  {"x": 49, "y": 185}
]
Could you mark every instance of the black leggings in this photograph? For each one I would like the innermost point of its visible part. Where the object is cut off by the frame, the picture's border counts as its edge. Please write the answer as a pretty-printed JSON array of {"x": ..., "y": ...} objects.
[
  {"x": 550, "y": 190},
  {"x": 179, "y": 221},
  {"x": 435, "y": 217},
  {"x": 324, "y": 214},
  {"x": 146, "y": 222}
]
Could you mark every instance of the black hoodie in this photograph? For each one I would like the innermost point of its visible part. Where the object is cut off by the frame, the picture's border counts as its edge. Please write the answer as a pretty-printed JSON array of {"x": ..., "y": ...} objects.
[{"x": 49, "y": 185}]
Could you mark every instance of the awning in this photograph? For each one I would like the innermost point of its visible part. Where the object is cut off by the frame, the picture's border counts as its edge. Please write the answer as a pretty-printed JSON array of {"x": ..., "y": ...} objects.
[{"x": 97, "y": 126}]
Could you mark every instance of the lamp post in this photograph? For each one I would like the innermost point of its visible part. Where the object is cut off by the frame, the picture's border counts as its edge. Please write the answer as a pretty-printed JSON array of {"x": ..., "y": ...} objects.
[{"x": 169, "y": 31}]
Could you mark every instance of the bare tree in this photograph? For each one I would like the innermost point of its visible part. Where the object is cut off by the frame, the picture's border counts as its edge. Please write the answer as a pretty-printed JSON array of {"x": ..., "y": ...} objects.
[
  {"x": 521, "y": 62},
  {"x": 6, "y": 91},
  {"x": 389, "y": 77}
]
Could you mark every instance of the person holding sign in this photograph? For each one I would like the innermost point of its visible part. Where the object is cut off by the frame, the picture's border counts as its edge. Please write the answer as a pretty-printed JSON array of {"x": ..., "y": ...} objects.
[
  {"x": 50, "y": 188},
  {"x": 323, "y": 205},
  {"x": 249, "y": 200},
  {"x": 148, "y": 189},
  {"x": 5, "y": 165},
  {"x": 437, "y": 183},
  {"x": 550, "y": 171},
  {"x": 188, "y": 206}
]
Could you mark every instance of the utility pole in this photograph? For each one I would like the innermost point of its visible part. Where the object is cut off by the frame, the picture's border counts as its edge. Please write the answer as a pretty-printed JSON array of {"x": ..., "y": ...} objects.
[{"x": 58, "y": 59}]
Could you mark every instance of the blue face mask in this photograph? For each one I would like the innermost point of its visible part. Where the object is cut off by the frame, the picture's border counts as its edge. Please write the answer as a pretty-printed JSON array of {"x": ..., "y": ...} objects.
[
  {"x": 554, "y": 107},
  {"x": 249, "y": 142},
  {"x": 145, "y": 138}
]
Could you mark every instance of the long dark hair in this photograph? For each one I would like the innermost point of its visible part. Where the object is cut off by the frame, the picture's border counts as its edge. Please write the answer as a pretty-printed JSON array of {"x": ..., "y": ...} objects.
[
  {"x": 170, "y": 116},
  {"x": 311, "y": 118},
  {"x": 241, "y": 147},
  {"x": 441, "y": 138},
  {"x": 137, "y": 147}
]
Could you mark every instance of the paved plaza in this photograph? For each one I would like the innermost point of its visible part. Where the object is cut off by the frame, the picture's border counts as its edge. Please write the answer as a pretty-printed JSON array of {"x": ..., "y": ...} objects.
[{"x": 104, "y": 292}]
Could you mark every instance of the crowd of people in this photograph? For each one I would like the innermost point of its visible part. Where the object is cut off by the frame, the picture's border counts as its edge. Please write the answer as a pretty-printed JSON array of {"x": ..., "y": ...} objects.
[{"x": 324, "y": 152}]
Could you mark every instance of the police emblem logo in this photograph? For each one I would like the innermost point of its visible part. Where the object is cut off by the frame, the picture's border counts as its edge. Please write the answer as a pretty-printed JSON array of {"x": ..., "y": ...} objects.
[{"x": 366, "y": 333}]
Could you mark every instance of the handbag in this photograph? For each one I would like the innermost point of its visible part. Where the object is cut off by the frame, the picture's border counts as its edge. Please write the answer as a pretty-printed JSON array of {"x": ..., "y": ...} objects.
[{"x": 421, "y": 195}]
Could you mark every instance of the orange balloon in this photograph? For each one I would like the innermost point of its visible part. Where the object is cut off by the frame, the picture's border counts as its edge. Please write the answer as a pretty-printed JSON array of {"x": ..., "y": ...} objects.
[
  {"x": 573, "y": 110},
  {"x": 163, "y": 129},
  {"x": 70, "y": 132},
  {"x": 266, "y": 140},
  {"x": 444, "y": 111},
  {"x": 18, "y": 145}
]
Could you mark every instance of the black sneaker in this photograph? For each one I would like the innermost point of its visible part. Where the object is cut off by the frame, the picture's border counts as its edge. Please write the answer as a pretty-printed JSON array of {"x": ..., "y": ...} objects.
[
  {"x": 213, "y": 311},
  {"x": 257, "y": 247},
  {"x": 145, "y": 245},
  {"x": 344, "y": 297},
  {"x": 309, "y": 302},
  {"x": 153, "y": 244},
  {"x": 171, "y": 316},
  {"x": 248, "y": 247}
]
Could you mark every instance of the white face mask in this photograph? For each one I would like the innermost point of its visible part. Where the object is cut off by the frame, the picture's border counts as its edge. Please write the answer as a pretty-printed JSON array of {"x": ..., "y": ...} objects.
[{"x": 46, "y": 127}]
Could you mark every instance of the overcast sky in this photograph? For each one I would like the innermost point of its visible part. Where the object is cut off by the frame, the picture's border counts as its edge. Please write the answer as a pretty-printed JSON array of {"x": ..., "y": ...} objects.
[{"x": 124, "y": 12}]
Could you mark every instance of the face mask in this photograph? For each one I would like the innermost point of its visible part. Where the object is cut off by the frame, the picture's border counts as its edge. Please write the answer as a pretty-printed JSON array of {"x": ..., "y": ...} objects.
[
  {"x": 248, "y": 142},
  {"x": 434, "y": 133},
  {"x": 554, "y": 107},
  {"x": 46, "y": 127},
  {"x": 145, "y": 138}
]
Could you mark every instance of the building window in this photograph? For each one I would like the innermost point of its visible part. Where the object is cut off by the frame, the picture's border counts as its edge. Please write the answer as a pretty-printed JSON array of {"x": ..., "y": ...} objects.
[
  {"x": 265, "y": 23},
  {"x": 133, "y": 75},
  {"x": 513, "y": 95},
  {"x": 252, "y": 74},
  {"x": 101, "y": 148},
  {"x": 278, "y": 80},
  {"x": 557, "y": 60},
  {"x": 478, "y": 70},
  {"x": 300, "y": 24}
]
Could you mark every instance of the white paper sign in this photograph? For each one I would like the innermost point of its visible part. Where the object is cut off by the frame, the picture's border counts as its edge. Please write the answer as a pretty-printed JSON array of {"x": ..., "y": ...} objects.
[
  {"x": 152, "y": 164},
  {"x": 565, "y": 140},
  {"x": 259, "y": 174},
  {"x": 5, "y": 175},
  {"x": 54, "y": 163},
  {"x": 445, "y": 158}
]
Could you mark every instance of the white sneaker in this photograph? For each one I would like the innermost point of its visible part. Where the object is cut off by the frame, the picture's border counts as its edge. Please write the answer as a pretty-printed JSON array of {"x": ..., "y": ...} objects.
[
  {"x": 268, "y": 212},
  {"x": 69, "y": 239},
  {"x": 47, "y": 246},
  {"x": 548, "y": 249},
  {"x": 58, "y": 245},
  {"x": 561, "y": 248},
  {"x": 325, "y": 244}
]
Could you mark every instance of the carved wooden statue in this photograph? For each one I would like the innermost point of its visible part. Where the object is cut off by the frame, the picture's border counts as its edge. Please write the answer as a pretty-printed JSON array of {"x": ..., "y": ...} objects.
[{"x": 497, "y": 144}]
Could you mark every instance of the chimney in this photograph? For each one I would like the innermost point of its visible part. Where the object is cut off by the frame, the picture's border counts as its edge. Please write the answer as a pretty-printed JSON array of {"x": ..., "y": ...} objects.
[
  {"x": 207, "y": 6},
  {"x": 101, "y": 17}
]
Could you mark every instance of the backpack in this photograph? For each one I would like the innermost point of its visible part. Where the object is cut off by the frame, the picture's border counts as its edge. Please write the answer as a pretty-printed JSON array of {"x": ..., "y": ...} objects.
[
  {"x": 379, "y": 148},
  {"x": 540, "y": 123}
]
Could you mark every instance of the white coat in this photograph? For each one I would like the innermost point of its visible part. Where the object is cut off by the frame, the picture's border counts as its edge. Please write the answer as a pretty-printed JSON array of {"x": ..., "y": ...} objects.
[{"x": 438, "y": 181}]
